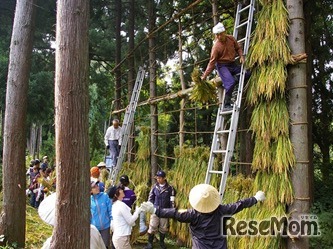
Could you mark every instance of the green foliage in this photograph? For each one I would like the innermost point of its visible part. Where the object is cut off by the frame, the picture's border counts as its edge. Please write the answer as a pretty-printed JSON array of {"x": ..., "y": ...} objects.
[
  {"x": 325, "y": 218},
  {"x": 48, "y": 147}
]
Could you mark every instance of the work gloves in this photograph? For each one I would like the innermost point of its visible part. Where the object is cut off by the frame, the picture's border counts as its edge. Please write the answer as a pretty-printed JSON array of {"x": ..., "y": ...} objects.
[{"x": 260, "y": 196}]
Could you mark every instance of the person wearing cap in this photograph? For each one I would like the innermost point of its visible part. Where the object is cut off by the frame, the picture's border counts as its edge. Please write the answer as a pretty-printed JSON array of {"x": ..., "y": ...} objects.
[
  {"x": 130, "y": 196},
  {"x": 222, "y": 57},
  {"x": 112, "y": 140},
  {"x": 101, "y": 212},
  {"x": 101, "y": 165},
  {"x": 45, "y": 163},
  {"x": 31, "y": 168},
  {"x": 161, "y": 195},
  {"x": 207, "y": 215},
  {"x": 94, "y": 176}
]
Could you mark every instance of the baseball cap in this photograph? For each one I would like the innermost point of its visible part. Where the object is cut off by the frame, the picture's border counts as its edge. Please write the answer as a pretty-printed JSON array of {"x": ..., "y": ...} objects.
[
  {"x": 124, "y": 179},
  {"x": 161, "y": 173}
]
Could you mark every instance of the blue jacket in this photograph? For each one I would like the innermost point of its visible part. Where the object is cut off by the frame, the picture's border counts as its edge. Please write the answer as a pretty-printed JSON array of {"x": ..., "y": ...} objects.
[
  {"x": 160, "y": 196},
  {"x": 206, "y": 228},
  {"x": 100, "y": 207}
]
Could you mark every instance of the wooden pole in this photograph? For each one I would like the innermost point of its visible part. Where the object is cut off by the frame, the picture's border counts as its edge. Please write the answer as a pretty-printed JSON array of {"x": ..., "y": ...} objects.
[{"x": 299, "y": 120}]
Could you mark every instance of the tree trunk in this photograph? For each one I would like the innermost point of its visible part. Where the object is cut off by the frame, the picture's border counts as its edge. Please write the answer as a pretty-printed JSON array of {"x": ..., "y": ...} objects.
[
  {"x": 31, "y": 141},
  {"x": 39, "y": 140},
  {"x": 152, "y": 87},
  {"x": 131, "y": 75},
  {"x": 183, "y": 84},
  {"x": 12, "y": 224},
  {"x": 299, "y": 119},
  {"x": 118, "y": 56},
  {"x": 72, "y": 228},
  {"x": 215, "y": 12}
]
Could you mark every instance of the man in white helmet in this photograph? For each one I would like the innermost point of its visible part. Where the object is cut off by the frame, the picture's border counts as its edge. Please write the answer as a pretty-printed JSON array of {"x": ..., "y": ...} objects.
[
  {"x": 206, "y": 216},
  {"x": 222, "y": 57}
]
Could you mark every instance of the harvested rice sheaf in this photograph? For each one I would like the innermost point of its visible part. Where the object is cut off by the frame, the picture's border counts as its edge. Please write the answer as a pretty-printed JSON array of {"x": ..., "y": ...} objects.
[{"x": 203, "y": 91}]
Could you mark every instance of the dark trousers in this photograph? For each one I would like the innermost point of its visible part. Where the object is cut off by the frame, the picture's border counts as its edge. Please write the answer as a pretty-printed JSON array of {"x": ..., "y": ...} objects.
[{"x": 227, "y": 73}]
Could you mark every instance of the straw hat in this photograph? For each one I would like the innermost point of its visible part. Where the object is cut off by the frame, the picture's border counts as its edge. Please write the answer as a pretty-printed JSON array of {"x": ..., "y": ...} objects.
[{"x": 204, "y": 198}]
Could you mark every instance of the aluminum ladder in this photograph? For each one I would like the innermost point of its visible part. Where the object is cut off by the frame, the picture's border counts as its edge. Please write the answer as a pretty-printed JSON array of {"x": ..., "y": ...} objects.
[
  {"x": 224, "y": 131},
  {"x": 127, "y": 123}
]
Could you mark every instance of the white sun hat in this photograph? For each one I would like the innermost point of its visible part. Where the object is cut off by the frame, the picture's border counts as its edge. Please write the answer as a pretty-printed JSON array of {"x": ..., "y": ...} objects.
[
  {"x": 218, "y": 28},
  {"x": 101, "y": 164},
  {"x": 204, "y": 198},
  {"x": 46, "y": 209}
]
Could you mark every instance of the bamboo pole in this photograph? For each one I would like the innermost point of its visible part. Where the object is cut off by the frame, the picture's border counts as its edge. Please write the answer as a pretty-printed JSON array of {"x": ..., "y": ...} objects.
[
  {"x": 183, "y": 84},
  {"x": 179, "y": 94}
]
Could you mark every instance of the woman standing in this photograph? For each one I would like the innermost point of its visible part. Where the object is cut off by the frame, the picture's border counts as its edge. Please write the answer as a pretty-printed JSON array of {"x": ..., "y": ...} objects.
[
  {"x": 123, "y": 220},
  {"x": 100, "y": 207}
]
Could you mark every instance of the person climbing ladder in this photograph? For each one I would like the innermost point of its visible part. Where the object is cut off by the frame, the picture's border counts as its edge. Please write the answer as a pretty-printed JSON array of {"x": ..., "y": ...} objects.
[{"x": 222, "y": 57}]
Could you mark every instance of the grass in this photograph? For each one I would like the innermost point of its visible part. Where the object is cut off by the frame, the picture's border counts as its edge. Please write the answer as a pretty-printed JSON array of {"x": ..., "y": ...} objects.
[{"x": 37, "y": 231}]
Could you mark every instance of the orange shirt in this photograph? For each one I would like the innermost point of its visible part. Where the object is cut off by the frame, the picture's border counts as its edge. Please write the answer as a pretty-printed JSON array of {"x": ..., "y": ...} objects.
[{"x": 223, "y": 52}]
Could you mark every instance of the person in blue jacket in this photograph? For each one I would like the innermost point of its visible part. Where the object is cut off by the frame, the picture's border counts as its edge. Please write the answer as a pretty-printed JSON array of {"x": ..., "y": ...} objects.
[
  {"x": 101, "y": 212},
  {"x": 207, "y": 215}
]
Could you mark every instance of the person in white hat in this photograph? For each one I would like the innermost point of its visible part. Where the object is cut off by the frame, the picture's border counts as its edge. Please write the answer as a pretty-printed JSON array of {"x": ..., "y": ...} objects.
[
  {"x": 206, "y": 216},
  {"x": 222, "y": 57}
]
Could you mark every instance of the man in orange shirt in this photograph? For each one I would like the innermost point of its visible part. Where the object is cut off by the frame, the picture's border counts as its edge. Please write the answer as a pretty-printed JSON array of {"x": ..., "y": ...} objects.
[{"x": 222, "y": 57}]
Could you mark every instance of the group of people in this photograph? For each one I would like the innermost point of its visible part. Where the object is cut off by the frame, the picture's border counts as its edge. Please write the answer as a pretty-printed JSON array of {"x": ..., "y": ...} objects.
[
  {"x": 111, "y": 208},
  {"x": 38, "y": 174},
  {"x": 205, "y": 200}
]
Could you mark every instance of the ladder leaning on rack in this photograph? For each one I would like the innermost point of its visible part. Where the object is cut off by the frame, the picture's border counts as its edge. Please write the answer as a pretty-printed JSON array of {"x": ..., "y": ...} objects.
[
  {"x": 127, "y": 123},
  {"x": 222, "y": 129}
]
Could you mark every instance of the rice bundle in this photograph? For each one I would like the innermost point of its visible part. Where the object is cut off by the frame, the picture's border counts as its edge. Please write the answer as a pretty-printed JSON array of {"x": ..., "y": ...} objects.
[
  {"x": 273, "y": 155},
  {"x": 203, "y": 91},
  {"x": 267, "y": 81}
]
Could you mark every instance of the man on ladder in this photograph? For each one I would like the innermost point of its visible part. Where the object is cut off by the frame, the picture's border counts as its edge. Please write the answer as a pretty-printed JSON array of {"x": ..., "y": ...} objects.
[
  {"x": 113, "y": 141},
  {"x": 222, "y": 57}
]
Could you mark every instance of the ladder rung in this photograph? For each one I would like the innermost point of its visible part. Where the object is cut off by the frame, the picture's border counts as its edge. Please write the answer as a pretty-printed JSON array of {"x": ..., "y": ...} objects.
[
  {"x": 219, "y": 151},
  {"x": 245, "y": 8},
  {"x": 226, "y": 112},
  {"x": 216, "y": 172},
  {"x": 223, "y": 132},
  {"x": 242, "y": 40},
  {"x": 242, "y": 24}
]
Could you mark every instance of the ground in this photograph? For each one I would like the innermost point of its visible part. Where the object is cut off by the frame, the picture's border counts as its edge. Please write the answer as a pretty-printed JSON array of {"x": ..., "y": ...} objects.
[{"x": 38, "y": 232}]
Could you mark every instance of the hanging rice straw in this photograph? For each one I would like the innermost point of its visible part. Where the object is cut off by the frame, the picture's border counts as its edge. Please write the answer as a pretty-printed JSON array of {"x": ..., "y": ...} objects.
[{"x": 203, "y": 91}]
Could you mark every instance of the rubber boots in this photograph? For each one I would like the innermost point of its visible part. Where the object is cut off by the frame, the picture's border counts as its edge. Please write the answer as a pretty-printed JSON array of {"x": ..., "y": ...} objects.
[
  {"x": 150, "y": 241},
  {"x": 162, "y": 244},
  {"x": 227, "y": 103}
]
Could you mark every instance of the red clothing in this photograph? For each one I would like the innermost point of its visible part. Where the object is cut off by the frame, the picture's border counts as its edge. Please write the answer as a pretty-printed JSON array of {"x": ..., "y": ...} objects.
[{"x": 223, "y": 53}]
